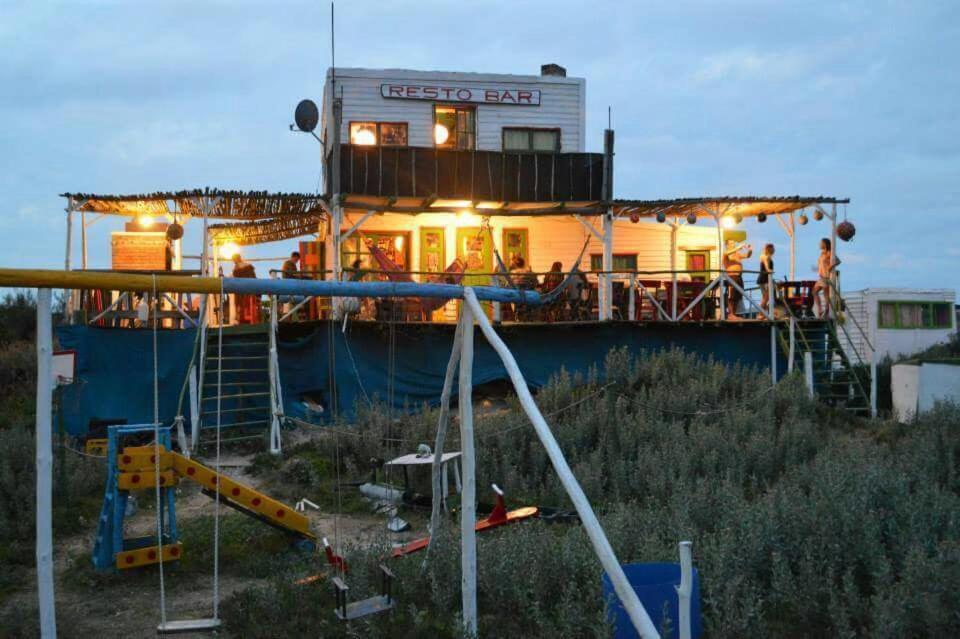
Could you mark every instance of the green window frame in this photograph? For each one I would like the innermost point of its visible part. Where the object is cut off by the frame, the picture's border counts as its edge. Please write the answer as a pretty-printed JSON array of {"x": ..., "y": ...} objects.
[
  {"x": 914, "y": 315},
  {"x": 354, "y": 248},
  {"x": 621, "y": 262}
]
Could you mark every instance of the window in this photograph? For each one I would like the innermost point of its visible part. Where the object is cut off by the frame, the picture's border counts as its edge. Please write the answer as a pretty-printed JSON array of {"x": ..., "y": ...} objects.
[
  {"x": 912, "y": 315},
  {"x": 455, "y": 127},
  {"x": 382, "y": 133},
  {"x": 698, "y": 265},
  {"x": 621, "y": 262},
  {"x": 532, "y": 140},
  {"x": 395, "y": 245}
]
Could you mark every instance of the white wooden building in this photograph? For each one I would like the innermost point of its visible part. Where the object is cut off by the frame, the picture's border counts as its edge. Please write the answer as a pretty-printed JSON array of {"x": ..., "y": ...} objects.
[{"x": 898, "y": 321}]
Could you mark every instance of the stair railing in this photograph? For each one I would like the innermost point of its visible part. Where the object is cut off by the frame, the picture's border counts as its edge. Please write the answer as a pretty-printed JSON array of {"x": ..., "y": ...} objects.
[
  {"x": 273, "y": 364},
  {"x": 837, "y": 304}
]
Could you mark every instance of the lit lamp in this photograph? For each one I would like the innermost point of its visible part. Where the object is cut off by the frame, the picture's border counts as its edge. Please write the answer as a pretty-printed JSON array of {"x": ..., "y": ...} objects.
[
  {"x": 364, "y": 137},
  {"x": 728, "y": 221},
  {"x": 228, "y": 250},
  {"x": 144, "y": 221},
  {"x": 440, "y": 134}
]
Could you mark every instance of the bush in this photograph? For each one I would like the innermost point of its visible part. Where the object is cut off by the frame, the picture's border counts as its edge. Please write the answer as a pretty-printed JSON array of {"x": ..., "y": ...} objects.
[{"x": 805, "y": 522}]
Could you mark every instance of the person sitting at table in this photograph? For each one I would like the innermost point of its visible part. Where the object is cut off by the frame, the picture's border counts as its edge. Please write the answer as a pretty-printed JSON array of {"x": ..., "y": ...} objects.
[
  {"x": 521, "y": 275},
  {"x": 291, "y": 267},
  {"x": 553, "y": 279},
  {"x": 826, "y": 264},
  {"x": 766, "y": 272},
  {"x": 247, "y": 311},
  {"x": 733, "y": 257}
]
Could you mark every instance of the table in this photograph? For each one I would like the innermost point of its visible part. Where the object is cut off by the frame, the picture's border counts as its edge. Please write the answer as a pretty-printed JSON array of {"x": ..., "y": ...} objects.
[
  {"x": 412, "y": 459},
  {"x": 797, "y": 295}
]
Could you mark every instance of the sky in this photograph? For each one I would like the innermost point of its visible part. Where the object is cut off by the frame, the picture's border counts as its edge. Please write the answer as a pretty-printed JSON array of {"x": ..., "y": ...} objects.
[{"x": 739, "y": 97}]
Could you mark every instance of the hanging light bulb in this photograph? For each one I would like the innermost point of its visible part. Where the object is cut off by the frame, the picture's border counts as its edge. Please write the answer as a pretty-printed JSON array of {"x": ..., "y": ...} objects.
[
  {"x": 440, "y": 134},
  {"x": 144, "y": 221},
  {"x": 228, "y": 250},
  {"x": 728, "y": 222}
]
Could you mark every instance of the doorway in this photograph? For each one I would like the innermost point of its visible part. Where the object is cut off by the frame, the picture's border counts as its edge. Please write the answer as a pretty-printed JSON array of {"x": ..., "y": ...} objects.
[{"x": 698, "y": 265}]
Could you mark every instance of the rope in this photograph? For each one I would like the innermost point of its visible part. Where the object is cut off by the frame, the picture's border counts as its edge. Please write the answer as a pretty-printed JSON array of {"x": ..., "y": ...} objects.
[
  {"x": 336, "y": 514},
  {"x": 574, "y": 272},
  {"x": 356, "y": 372},
  {"x": 216, "y": 512},
  {"x": 156, "y": 456}
]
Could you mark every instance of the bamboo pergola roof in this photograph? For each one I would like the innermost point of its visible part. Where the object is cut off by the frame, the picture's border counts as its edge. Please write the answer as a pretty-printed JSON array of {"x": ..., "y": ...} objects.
[
  {"x": 218, "y": 203},
  {"x": 283, "y": 227},
  {"x": 747, "y": 206}
]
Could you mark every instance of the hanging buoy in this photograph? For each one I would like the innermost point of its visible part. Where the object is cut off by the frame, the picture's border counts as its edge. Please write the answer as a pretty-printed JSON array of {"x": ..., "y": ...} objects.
[
  {"x": 737, "y": 217},
  {"x": 802, "y": 220},
  {"x": 846, "y": 230},
  {"x": 818, "y": 215},
  {"x": 174, "y": 231},
  {"x": 761, "y": 217},
  {"x": 634, "y": 217},
  {"x": 691, "y": 218},
  {"x": 661, "y": 217}
]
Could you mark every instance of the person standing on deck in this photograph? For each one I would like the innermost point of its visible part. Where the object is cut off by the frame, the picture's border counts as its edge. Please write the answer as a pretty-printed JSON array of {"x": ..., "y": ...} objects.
[
  {"x": 733, "y": 258},
  {"x": 766, "y": 272},
  {"x": 247, "y": 311},
  {"x": 826, "y": 264}
]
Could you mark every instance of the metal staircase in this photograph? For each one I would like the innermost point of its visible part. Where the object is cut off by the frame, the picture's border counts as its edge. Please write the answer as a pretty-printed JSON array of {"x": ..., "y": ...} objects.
[
  {"x": 246, "y": 401},
  {"x": 839, "y": 376}
]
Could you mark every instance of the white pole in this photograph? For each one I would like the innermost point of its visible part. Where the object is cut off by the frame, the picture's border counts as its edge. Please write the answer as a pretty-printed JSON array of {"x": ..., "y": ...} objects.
[
  {"x": 468, "y": 499},
  {"x": 606, "y": 298},
  {"x": 674, "y": 226},
  {"x": 720, "y": 270},
  {"x": 205, "y": 252},
  {"x": 773, "y": 328},
  {"x": 638, "y": 616},
  {"x": 275, "y": 408},
  {"x": 48, "y": 619},
  {"x": 873, "y": 382},
  {"x": 439, "y": 474},
  {"x": 793, "y": 344},
  {"x": 808, "y": 370},
  {"x": 68, "y": 254},
  {"x": 793, "y": 246},
  {"x": 685, "y": 589},
  {"x": 632, "y": 305},
  {"x": 83, "y": 240}
]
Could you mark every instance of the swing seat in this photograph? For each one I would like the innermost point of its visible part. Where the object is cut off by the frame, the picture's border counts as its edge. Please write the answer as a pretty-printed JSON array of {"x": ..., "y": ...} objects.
[
  {"x": 365, "y": 607},
  {"x": 188, "y": 625}
]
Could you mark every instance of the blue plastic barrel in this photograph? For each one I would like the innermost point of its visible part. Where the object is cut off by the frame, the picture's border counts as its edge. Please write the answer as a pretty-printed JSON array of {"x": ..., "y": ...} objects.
[{"x": 656, "y": 587}]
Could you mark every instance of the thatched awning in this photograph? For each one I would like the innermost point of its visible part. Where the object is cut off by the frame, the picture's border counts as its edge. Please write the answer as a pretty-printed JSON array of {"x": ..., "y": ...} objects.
[
  {"x": 747, "y": 206},
  {"x": 272, "y": 230},
  {"x": 218, "y": 203}
]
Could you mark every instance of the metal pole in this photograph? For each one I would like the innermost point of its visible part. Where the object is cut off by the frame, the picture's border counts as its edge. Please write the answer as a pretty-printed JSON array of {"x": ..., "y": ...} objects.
[
  {"x": 773, "y": 327},
  {"x": 48, "y": 620},
  {"x": 598, "y": 539},
  {"x": 685, "y": 589},
  {"x": 67, "y": 259},
  {"x": 808, "y": 371},
  {"x": 606, "y": 280},
  {"x": 632, "y": 304},
  {"x": 720, "y": 272},
  {"x": 468, "y": 499}
]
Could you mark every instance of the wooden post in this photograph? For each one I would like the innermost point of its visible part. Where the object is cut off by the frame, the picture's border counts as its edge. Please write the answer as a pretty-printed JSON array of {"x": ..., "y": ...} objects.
[
  {"x": 336, "y": 208},
  {"x": 674, "y": 228},
  {"x": 834, "y": 279},
  {"x": 793, "y": 246},
  {"x": 468, "y": 499},
  {"x": 720, "y": 271},
  {"x": 773, "y": 327},
  {"x": 83, "y": 240},
  {"x": 439, "y": 492},
  {"x": 44, "y": 463},
  {"x": 67, "y": 259},
  {"x": 808, "y": 371},
  {"x": 793, "y": 344},
  {"x": 632, "y": 304}
]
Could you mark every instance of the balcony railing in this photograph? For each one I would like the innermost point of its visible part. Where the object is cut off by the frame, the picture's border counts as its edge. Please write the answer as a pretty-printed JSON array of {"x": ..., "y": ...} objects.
[{"x": 495, "y": 176}]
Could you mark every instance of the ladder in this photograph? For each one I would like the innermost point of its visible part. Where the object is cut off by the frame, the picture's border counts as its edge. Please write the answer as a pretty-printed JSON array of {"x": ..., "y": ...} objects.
[
  {"x": 245, "y": 391},
  {"x": 838, "y": 381}
]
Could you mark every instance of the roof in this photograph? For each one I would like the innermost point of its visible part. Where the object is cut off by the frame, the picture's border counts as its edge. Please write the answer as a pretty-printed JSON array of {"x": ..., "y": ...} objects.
[
  {"x": 218, "y": 203},
  {"x": 452, "y": 76},
  {"x": 747, "y": 206}
]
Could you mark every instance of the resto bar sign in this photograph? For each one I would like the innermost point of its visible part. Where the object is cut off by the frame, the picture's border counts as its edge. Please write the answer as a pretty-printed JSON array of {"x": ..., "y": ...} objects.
[{"x": 491, "y": 95}]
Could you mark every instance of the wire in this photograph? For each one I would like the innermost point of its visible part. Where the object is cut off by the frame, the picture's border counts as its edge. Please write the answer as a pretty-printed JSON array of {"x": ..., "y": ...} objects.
[
  {"x": 710, "y": 411},
  {"x": 356, "y": 372}
]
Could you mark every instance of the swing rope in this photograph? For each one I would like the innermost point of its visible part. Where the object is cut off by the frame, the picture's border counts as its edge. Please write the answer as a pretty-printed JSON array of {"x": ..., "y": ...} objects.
[
  {"x": 216, "y": 512},
  {"x": 156, "y": 457}
]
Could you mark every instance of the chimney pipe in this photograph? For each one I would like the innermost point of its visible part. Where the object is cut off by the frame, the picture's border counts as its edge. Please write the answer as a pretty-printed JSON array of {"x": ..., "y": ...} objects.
[{"x": 553, "y": 69}]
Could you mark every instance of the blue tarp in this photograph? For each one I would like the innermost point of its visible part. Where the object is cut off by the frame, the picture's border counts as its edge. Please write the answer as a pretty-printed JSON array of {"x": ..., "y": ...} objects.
[{"x": 115, "y": 366}]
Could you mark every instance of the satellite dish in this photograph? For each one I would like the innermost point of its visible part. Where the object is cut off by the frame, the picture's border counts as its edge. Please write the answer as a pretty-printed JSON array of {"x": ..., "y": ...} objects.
[{"x": 307, "y": 116}]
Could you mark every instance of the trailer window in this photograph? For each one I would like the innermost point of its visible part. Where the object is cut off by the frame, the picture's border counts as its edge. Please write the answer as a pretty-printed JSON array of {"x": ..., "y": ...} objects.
[{"x": 914, "y": 315}]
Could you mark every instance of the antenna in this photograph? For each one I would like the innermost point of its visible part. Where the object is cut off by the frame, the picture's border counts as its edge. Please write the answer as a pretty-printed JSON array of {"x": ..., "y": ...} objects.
[
  {"x": 609, "y": 117},
  {"x": 333, "y": 52}
]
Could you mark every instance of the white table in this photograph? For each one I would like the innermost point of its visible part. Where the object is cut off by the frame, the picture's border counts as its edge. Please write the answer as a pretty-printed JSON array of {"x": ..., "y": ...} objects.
[{"x": 445, "y": 460}]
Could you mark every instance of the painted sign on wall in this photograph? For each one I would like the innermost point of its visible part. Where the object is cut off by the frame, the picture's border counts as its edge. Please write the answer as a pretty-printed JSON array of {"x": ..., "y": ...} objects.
[{"x": 487, "y": 95}]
